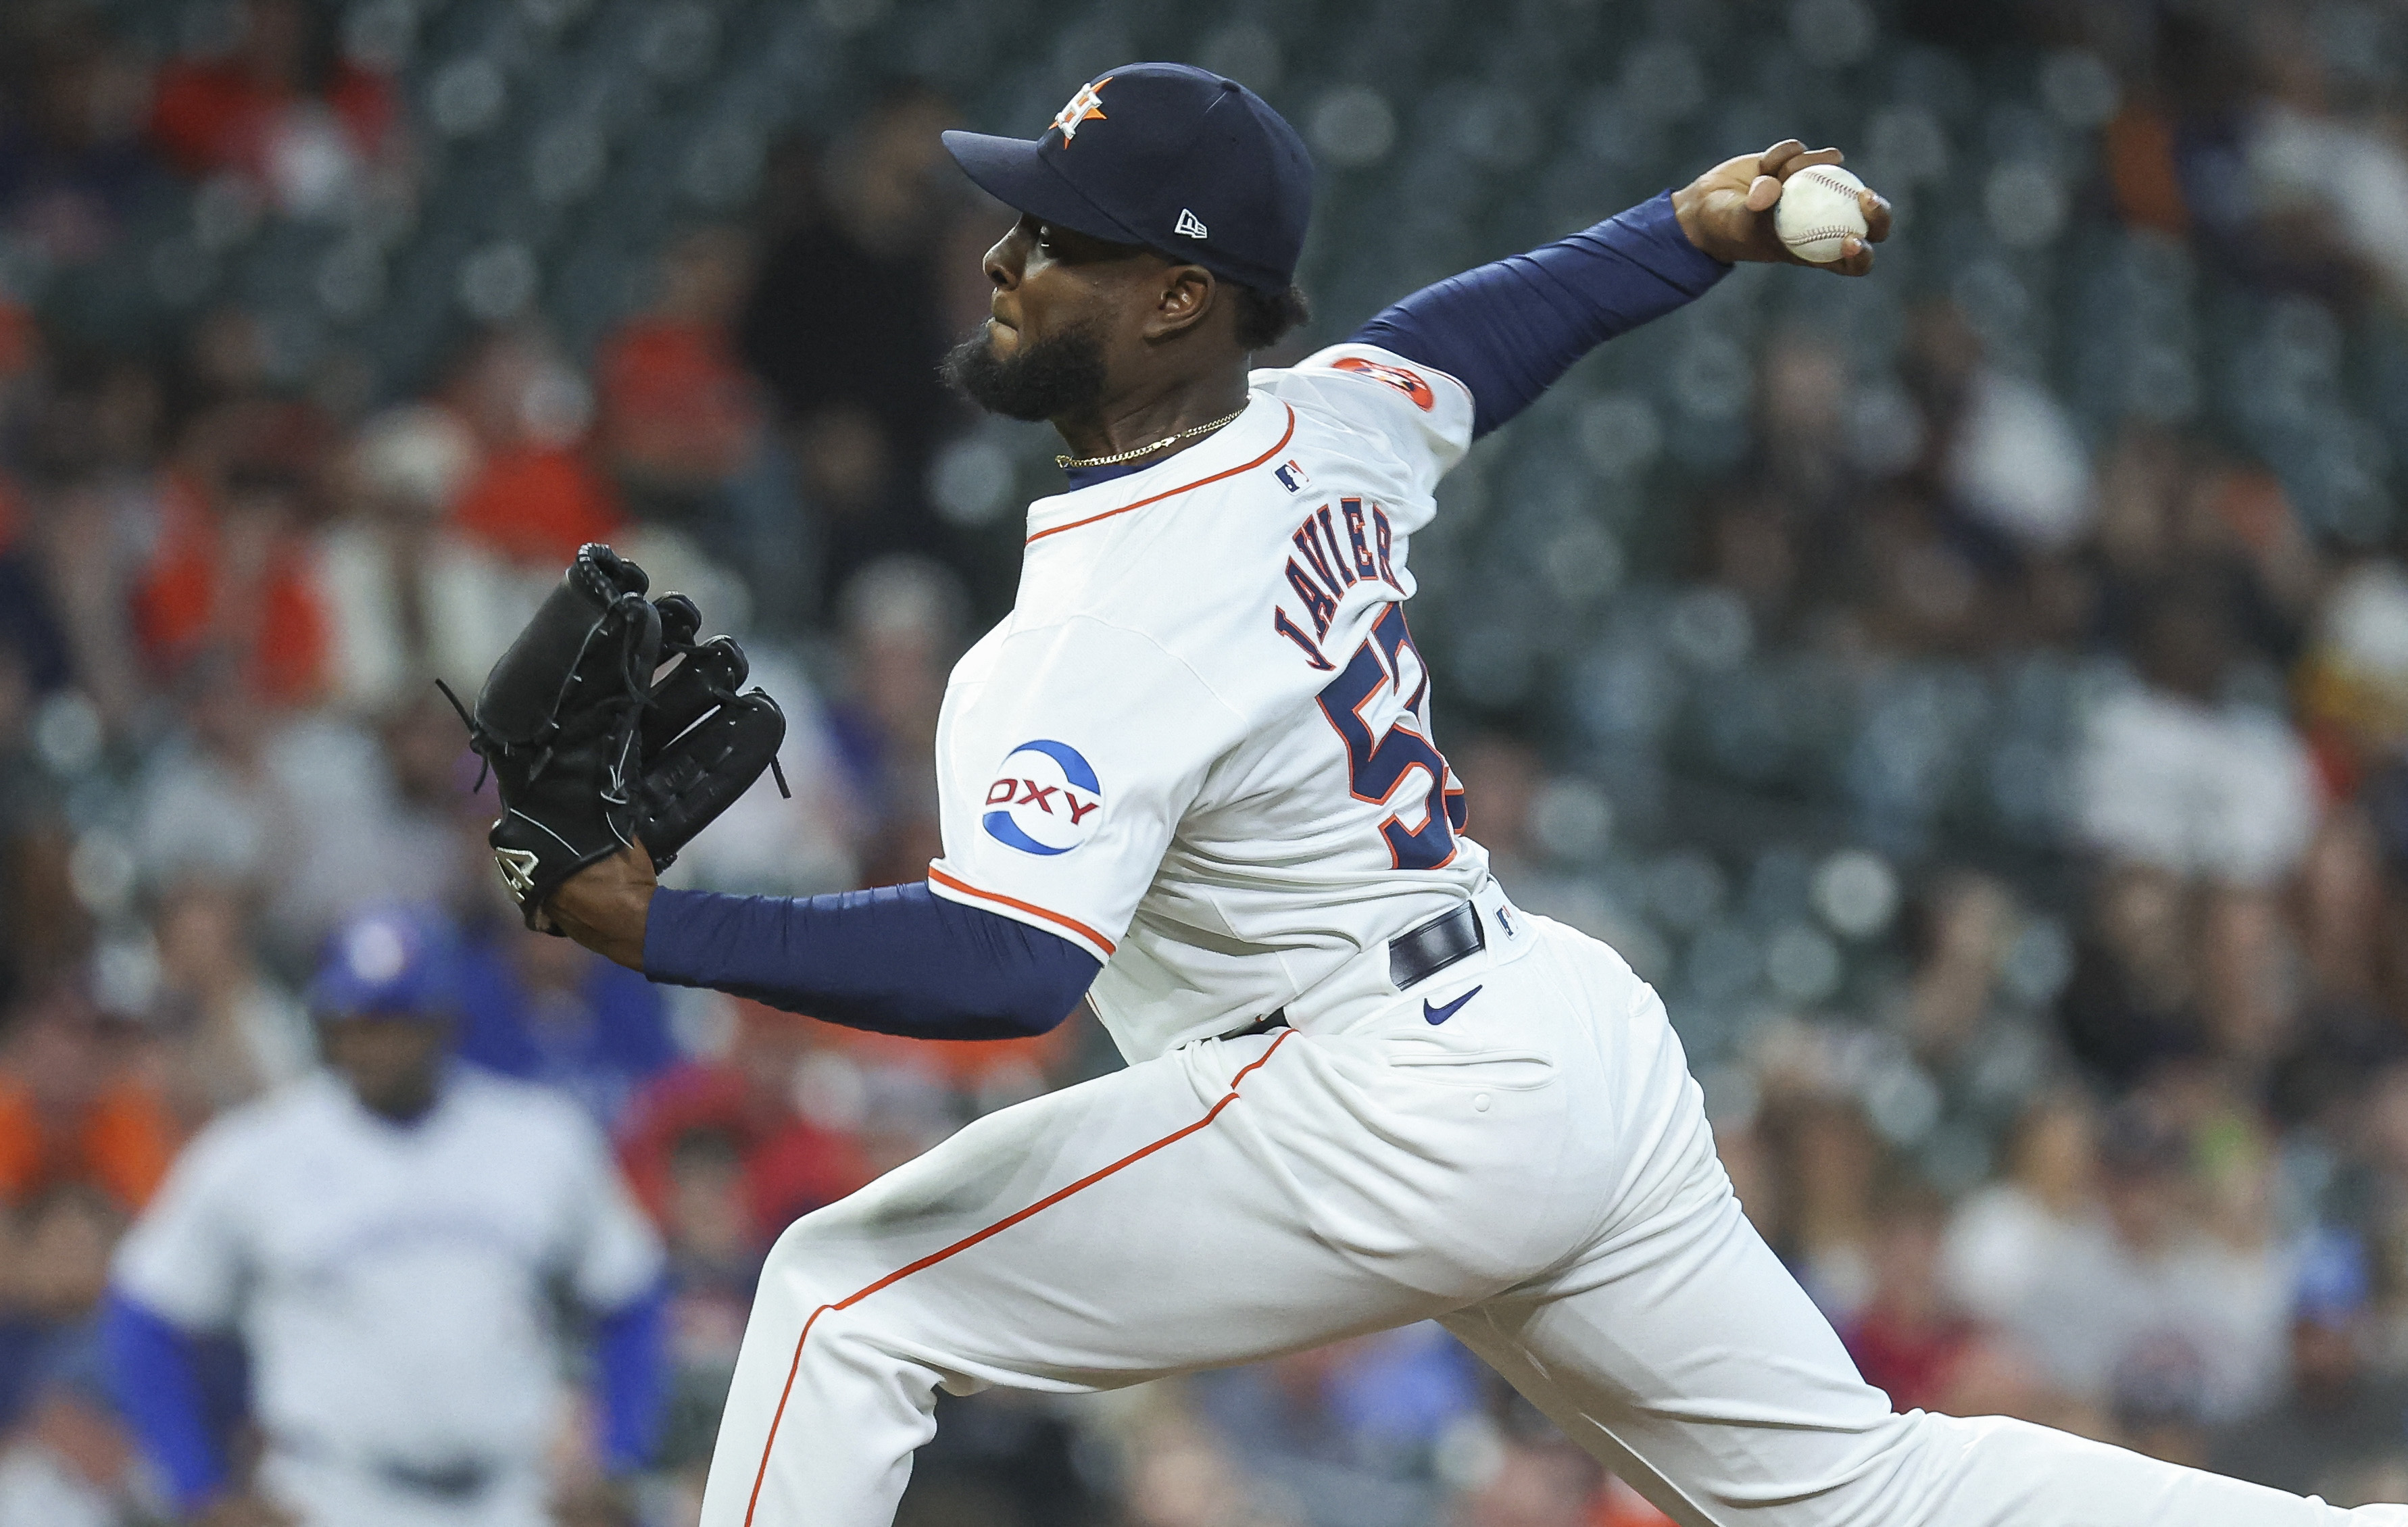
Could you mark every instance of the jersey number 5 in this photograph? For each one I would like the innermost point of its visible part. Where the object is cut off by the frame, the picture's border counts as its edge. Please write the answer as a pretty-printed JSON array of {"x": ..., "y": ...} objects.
[{"x": 1377, "y": 765}]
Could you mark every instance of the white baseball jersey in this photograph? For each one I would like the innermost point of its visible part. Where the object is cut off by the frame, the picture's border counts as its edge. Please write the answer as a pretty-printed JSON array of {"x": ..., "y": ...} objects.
[
  {"x": 390, "y": 1281},
  {"x": 1199, "y": 745}
]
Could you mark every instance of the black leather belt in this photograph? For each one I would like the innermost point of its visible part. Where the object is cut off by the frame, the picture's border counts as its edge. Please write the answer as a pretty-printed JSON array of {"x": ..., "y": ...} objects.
[
  {"x": 456, "y": 1481},
  {"x": 1414, "y": 956}
]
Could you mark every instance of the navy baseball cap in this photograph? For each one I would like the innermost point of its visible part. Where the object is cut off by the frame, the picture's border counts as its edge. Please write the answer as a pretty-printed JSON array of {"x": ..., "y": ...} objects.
[
  {"x": 395, "y": 961},
  {"x": 1166, "y": 155}
]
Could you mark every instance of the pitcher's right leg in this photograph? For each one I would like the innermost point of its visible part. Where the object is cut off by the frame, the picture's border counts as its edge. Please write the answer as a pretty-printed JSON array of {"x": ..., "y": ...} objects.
[
  {"x": 1678, "y": 1350},
  {"x": 1697, "y": 1369}
]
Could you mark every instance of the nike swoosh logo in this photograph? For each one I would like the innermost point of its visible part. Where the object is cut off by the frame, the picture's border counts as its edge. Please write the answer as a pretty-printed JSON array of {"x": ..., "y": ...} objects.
[{"x": 1439, "y": 1015}]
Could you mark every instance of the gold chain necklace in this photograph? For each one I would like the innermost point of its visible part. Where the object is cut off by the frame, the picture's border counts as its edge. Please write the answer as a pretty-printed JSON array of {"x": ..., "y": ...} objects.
[{"x": 1066, "y": 463}]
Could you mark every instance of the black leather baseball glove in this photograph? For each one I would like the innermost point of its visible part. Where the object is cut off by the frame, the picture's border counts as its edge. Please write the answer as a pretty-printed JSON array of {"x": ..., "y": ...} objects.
[
  {"x": 587, "y": 755},
  {"x": 703, "y": 743}
]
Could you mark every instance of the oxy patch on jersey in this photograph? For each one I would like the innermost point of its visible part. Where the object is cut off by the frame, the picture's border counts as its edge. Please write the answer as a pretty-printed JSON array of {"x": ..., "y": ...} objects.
[{"x": 1045, "y": 799}]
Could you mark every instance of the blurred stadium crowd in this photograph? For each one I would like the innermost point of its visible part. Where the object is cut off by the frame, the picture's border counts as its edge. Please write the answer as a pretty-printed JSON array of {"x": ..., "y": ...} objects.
[{"x": 1976, "y": 696}]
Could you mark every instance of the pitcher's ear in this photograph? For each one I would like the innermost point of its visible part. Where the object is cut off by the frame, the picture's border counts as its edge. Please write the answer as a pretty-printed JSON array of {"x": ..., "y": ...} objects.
[{"x": 1187, "y": 294}]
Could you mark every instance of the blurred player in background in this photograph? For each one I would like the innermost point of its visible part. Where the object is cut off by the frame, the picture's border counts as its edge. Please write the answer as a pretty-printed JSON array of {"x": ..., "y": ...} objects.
[{"x": 391, "y": 1240}]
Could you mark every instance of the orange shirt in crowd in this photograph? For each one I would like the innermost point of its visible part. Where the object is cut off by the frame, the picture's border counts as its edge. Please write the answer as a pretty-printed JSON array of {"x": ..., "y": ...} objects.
[
  {"x": 215, "y": 115},
  {"x": 537, "y": 504},
  {"x": 12, "y": 512},
  {"x": 1619, "y": 1506},
  {"x": 676, "y": 401},
  {"x": 21, "y": 339},
  {"x": 2142, "y": 172},
  {"x": 120, "y": 1143},
  {"x": 186, "y": 599}
]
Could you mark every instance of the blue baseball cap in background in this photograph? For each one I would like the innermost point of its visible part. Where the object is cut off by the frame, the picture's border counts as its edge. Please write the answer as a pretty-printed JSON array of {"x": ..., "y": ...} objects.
[
  {"x": 1166, "y": 155},
  {"x": 393, "y": 961},
  {"x": 2334, "y": 1283}
]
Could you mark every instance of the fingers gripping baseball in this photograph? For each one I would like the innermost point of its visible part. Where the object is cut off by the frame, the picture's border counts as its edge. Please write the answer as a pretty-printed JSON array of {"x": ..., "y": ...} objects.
[{"x": 1732, "y": 211}]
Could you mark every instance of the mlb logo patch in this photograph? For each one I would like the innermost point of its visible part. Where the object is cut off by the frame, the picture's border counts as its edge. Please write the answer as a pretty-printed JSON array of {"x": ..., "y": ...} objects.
[{"x": 1290, "y": 475}]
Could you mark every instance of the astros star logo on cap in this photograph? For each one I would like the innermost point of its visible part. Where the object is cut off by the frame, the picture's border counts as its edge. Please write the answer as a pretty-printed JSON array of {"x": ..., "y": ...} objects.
[
  {"x": 1088, "y": 104},
  {"x": 1194, "y": 165}
]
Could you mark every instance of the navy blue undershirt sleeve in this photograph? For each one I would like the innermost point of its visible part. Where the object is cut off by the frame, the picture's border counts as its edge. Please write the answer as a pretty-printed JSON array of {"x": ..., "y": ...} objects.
[
  {"x": 896, "y": 960},
  {"x": 1509, "y": 329},
  {"x": 158, "y": 1388},
  {"x": 632, "y": 1379}
]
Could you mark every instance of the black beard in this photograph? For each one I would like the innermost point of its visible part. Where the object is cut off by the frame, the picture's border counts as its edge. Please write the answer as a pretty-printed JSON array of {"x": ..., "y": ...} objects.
[{"x": 1059, "y": 377}]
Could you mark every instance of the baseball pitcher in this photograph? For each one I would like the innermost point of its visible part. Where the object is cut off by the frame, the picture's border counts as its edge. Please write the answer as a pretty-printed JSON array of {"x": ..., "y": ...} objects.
[{"x": 1191, "y": 781}]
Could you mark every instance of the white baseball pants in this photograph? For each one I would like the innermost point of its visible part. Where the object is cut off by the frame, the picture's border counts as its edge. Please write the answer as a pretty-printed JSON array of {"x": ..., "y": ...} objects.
[{"x": 1536, "y": 1172}]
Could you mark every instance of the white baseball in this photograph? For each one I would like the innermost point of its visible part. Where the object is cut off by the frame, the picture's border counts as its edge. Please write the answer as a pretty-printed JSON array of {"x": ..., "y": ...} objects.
[{"x": 1818, "y": 209}]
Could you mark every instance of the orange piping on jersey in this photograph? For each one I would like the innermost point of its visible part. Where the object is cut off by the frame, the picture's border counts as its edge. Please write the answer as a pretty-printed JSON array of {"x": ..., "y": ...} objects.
[
  {"x": 966, "y": 1243},
  {"x": 1072, "y": 923},
  {"x": 1184, "y": 487}
]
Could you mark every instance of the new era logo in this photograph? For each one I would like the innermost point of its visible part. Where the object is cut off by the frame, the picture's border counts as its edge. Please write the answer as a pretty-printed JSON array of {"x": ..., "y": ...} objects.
[{"x": 1190, "y": 226}]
